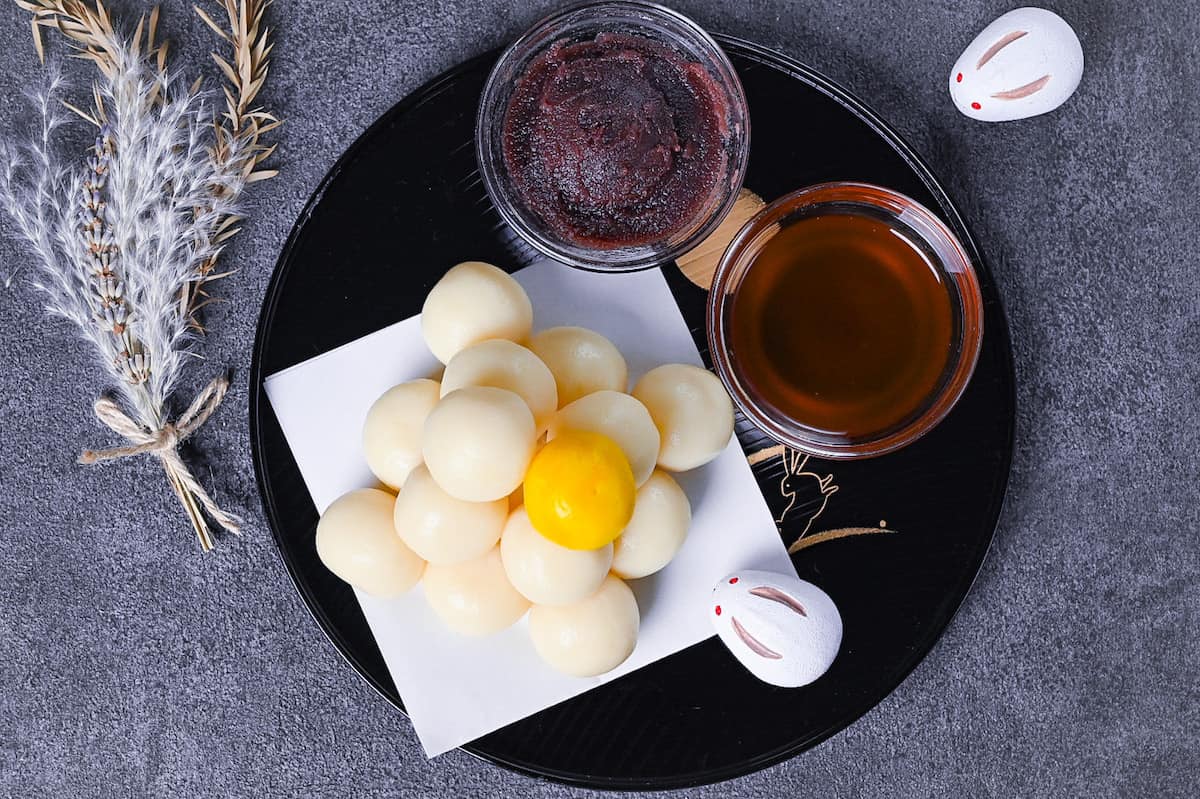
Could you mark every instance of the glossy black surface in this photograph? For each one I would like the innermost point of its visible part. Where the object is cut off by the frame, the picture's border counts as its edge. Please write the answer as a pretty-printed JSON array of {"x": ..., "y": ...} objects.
[{"x": 405, "y": 203}]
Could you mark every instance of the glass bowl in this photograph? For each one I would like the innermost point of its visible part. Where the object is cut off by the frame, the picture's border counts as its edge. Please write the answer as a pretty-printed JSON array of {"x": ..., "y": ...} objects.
[
  {"x": 925, "y": 231},
  {"x": 583, "y": 22}
]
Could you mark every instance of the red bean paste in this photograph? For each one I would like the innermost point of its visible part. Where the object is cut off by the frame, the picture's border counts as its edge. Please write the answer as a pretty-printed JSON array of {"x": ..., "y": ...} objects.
[{"x": 617, "y": 141}]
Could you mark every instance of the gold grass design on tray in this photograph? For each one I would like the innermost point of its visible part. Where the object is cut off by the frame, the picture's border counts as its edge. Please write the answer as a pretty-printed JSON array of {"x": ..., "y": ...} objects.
[
  {"x": 833, "y": 535},
  {"x": 125, "y": 244}
]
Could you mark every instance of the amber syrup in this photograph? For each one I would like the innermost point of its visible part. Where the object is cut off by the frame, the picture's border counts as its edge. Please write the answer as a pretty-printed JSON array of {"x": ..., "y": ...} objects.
[{"x": 843, "y": 324}]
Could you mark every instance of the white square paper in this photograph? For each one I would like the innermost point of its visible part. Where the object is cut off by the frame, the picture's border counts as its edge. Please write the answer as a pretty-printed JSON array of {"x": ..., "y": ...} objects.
[{"x": 458, "y": 688}]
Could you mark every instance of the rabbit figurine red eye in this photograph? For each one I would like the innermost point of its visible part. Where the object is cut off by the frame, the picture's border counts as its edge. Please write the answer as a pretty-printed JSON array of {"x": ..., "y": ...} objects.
[
  {"x": 1027, "y": 62},
  {"x": 784, "y": 630}
]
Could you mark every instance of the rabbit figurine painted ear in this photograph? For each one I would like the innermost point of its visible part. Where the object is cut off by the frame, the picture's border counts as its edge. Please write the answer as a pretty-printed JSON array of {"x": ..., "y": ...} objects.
[
  {"x": 1027, "y": 62},
  {"x": 786, "y": 631}
]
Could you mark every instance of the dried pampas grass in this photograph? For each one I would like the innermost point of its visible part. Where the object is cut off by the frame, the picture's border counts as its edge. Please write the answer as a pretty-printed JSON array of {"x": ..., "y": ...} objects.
[{"x": 126, "y": 242}]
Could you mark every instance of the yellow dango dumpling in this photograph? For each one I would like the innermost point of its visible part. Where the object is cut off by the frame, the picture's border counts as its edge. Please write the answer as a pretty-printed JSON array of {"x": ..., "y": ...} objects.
[
  {"x": 474, "y": 302},
  {"x": 441, "y": 528},
  {"x": 546, "y": 573},
  {"x": 357, "y": 542},
  {"x": 503, "y": 364},
  {"x": 661, "y": 515},
  {"x": 591, "y": 636},
  {"x": 391, "y": 436},
  {"x": 692, "y": 411},
  {"x": 477, "y": 443},
  {"x": 473, "y": 597},
  {"x": 579, "y": 490},
  {"x": 618, "y": 416},
  {"x": 582, "y": 361}
]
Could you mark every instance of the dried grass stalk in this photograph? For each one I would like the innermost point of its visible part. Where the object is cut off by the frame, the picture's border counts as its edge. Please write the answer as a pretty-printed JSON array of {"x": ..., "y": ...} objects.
[{"x": 125, "y": 243}]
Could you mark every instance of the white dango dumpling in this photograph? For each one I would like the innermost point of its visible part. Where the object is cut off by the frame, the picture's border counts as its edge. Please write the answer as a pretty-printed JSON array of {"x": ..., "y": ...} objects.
[
  {"x": 659, "y": 526},
  {"x": 692, "y": 411},
  {"x": 474, "y": 302},
  {"x": 442, "y": 529},
  {"x": 357, "y": 542},
  {"x": 545, "y": 572},
  {"x": 620, "y": 417},
  {"x": 473, "y": 597},
  {"x": 589, "y": 637},
  {"x": 503, "y": 364},
  {"x": 391, "y": 437},
  {"x": 477, "y": 443},
  {"x": 582, "y": 361}
]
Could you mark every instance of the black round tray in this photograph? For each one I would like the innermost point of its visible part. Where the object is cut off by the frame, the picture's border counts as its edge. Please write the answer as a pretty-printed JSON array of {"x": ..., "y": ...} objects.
[{"x": 405, "y": 203}]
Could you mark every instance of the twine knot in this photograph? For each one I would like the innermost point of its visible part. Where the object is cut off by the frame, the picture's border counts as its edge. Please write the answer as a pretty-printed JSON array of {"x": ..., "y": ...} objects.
[
  {"x": 168, "y": 437},
  {"x": 164, "y": 444}
]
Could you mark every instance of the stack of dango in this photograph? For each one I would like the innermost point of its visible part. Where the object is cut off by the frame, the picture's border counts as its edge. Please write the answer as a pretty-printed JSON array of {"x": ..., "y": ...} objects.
[{"x": 526, "y": 479}]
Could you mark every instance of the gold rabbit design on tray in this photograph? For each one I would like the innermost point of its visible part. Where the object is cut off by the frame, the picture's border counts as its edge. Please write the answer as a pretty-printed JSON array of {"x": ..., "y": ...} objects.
[{"x": 806, "y": 493}]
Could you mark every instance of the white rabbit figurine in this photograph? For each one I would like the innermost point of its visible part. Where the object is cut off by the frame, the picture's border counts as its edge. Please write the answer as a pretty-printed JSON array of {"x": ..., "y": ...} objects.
[
  {"x": 1027, "y": 62},
  {"x": 786, "y": 631}
]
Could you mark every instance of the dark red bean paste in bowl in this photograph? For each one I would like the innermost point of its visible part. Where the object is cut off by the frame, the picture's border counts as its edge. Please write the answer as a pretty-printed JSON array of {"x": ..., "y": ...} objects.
[{"x": 616, "y": 141}]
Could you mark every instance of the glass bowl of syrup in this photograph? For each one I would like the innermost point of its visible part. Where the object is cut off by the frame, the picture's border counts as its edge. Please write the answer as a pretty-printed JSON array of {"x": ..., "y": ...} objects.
[{"x": 845, "y": 320}]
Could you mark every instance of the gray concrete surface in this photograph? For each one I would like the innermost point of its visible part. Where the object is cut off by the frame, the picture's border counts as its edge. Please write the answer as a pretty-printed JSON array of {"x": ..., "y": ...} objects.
[{"x": 130, "y": 665}]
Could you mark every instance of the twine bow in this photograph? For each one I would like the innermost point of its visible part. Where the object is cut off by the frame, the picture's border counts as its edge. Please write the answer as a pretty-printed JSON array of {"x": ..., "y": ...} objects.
[{"x": 164, "y": 444}]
